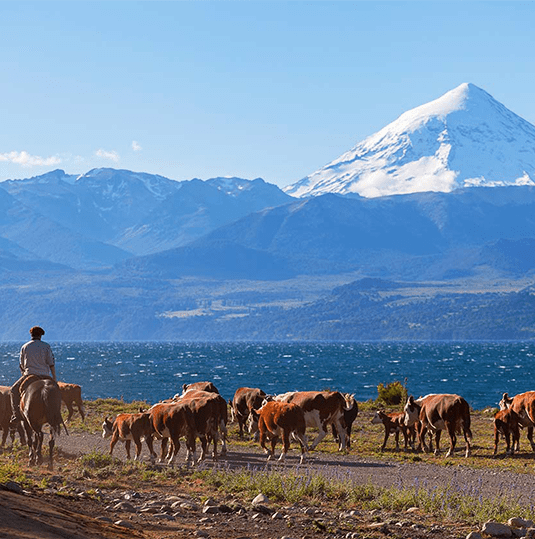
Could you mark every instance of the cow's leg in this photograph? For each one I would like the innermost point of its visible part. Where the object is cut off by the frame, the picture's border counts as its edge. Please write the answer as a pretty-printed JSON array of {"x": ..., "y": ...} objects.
[
  {"x": 113, "y": 441},
  {"x": 174, "y": 447},
  {"x": 387, "y": 434},
  {"x": 137, "y": 441},
  {"x": 223, "y": 430},
  {"x": 150, "y": 446},
  {"x": 190, "y": 447},
  {"x": 70, "y": 408},
  {"x": 204, "y": 446},
  {"x": 438, "y": 434},
  {"x": 341, "y": 430},
  {"x": 163, "y": 450},
  {"x": 497, "y": 439},
  {"x": 396, "y": 437},
  {"x": 274, "y": 440},
  {"x": 422, "y": 431},
  {"x": 468, "y": 439},
  {"x": 285, "y": 444},
  {"x": 80, "y": 406},
  {"x": 301, "y": 437},
  {"x": 127, "y": 444},
  {"x": 530, "y": 438}
]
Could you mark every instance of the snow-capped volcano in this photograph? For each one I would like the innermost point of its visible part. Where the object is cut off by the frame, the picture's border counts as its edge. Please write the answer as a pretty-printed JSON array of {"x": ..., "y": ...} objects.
[{"x": 464, "y": 138}]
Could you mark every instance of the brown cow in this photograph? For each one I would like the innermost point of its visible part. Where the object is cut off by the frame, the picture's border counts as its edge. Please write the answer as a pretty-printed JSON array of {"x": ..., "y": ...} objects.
[
  {"x": 394, "y": 423},
  {"x": 5, "y": 417},
  {"x": 322, "y": 408},
  {"x": 173, "y": 421},
  {"x": 275, "y": 418},
  {"x": 437, "y": 413},
  {"x": 201, "y": 386},
  {"x": 246, "y": 399},
  {"x": 71, "y": 394},
  {"x": 211, "y": 418},
  {"x": 524, "y": 405},
  {"x": 130, "y": 428},
  {"x": 506, "y": 423}
]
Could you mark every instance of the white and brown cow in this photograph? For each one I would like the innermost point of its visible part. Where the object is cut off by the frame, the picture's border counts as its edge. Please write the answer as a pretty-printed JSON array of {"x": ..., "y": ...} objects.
[
  {"x": 322, "y": 408},
  {"x": 507, "y": 424},
  {"x": 524, "y": 405},
  {"x": 394, "y": 423},
  {"x": 130, "y": 428},
  {"x": 349, "y": 418},
  {"x": 71, "y": 394},
  {"x": 246, "y": 399},
  {"x": 281, "y": 418},
  {"x": 436, "y": 413}
]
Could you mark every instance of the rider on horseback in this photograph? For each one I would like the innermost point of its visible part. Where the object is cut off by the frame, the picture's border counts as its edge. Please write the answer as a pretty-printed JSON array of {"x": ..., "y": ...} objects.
[{"x": 36, "y": 359}]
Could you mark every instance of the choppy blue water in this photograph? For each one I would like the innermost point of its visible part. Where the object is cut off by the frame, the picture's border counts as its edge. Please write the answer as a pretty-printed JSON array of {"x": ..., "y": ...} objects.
[{"x": 479, "y": 371}]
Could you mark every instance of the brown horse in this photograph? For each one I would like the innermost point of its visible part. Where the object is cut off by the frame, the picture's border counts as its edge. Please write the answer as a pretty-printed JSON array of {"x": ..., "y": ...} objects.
[{"x": 41, "y": 404}]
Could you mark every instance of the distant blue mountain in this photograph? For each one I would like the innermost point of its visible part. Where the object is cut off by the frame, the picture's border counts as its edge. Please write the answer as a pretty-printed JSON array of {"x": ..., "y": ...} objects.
[
  {"x": 99, "y": 218},
  {"x": 422, "y": 235}
]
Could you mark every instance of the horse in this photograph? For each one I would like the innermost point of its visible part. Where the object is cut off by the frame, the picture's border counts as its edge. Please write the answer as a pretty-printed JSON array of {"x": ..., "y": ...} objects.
[{"x": 40, "y": 404}]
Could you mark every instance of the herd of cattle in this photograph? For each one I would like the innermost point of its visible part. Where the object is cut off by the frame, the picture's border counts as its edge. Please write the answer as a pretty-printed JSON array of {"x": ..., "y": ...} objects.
[{"x": 200, "y": 412}]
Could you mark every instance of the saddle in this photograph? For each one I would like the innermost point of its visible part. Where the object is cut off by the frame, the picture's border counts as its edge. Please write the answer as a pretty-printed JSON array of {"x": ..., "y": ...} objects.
[{"x": 30, "y": 379}]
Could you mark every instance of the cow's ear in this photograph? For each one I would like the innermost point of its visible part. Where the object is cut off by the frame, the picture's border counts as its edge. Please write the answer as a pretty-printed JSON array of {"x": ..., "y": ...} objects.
[
  {"x": 505, "y": 396},
  {"x": 411, "y": 400}
]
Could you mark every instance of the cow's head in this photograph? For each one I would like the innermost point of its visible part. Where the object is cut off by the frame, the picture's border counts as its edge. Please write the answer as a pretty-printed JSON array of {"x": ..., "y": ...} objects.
[
  {"x": 107, "y": 428},
  {"x": 412, "y": 412},
  {"x": 252, "y": 421},
  {"x": 378, "y": 417},
  {"x": 505, "y": 401}
]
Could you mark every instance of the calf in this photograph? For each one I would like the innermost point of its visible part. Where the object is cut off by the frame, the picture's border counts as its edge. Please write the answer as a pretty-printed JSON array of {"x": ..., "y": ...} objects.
[
  {"x": 506, "y": 423},
  {"x": 349, "y": 418},
  {"x": 246, "y": 399},
  {"x": 437, "y": 413},
  {"x": 524, "y": 405},
  {"x": 394, "y": 423},
  {"x": 276, "y": 418},
  {"x": 5, "y": 417},
  {"x": 128, "y": 428},
  {"x": 71, "y": 394}
]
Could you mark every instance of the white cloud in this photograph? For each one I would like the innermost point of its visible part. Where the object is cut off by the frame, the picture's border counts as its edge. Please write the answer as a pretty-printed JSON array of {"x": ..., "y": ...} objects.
[
  {"x": 136, "y": 146},
  {"x": 112, "y": 156},
  {"x": 26, "y": 160}
]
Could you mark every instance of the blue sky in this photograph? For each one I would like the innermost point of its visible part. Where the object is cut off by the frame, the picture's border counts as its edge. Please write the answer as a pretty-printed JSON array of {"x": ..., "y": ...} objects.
[{"x": 251, "y": 89}]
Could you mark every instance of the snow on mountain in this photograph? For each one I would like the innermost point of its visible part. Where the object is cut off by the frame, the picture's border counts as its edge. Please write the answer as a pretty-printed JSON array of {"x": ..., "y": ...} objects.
[
  {"x": 114, "y": 183},
  {"x": 464, "y": 138}
]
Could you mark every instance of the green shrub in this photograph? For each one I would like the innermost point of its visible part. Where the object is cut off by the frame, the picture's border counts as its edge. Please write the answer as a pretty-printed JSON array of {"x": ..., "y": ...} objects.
[{"x": 393, "y": 394}]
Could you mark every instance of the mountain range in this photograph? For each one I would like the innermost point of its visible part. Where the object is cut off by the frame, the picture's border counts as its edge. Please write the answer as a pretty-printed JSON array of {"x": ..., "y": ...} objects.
[{"x": 443, "y": 195}]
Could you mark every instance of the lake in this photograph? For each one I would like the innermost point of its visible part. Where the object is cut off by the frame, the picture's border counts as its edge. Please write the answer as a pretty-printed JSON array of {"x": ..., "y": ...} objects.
[{"x": 479, "y": 371}]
